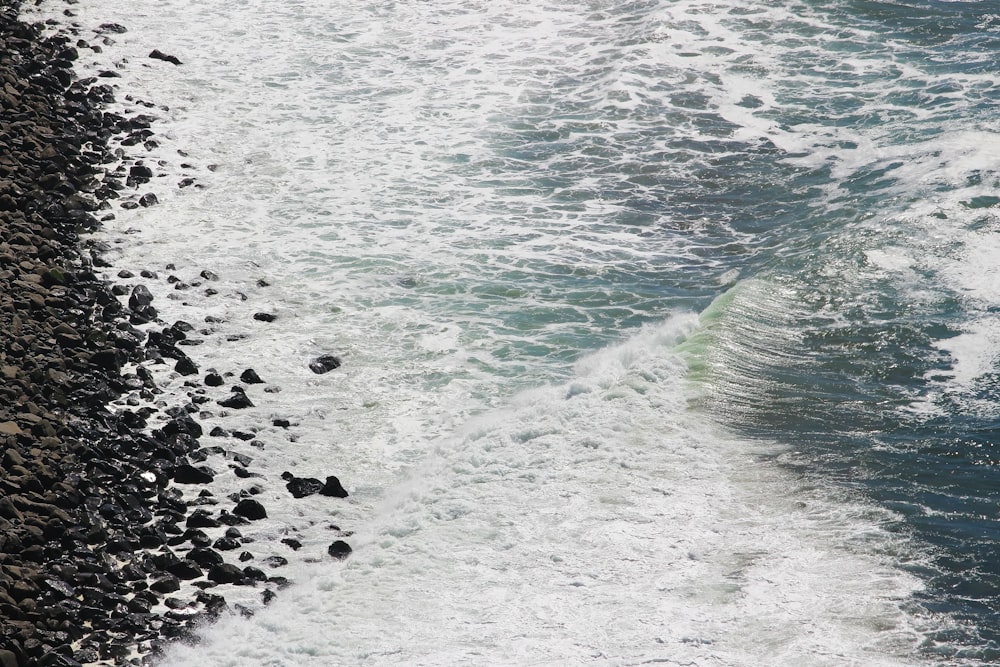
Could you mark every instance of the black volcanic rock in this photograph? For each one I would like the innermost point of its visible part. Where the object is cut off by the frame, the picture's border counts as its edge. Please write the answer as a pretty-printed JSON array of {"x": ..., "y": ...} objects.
[
  {"x": 250, "y": 376},
  {"x": 250, "y": 509},
  {"x": 237, "y": 400},
  {"x": 301, "y": 487},
  {"x": 141, "y": 296},
  {"x": 339, "y": 550},
  {"x": 159, "y": 55},
  {"x": 324, "y": 364},
  {"x": 189, "y": 474},
  {"x": 333, "y": 488},
  {"x": 225, "y": 573}
]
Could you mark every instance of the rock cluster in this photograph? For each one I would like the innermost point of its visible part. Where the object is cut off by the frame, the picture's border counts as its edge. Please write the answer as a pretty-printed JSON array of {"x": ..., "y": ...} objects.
[{"x": 96, "y": 539}]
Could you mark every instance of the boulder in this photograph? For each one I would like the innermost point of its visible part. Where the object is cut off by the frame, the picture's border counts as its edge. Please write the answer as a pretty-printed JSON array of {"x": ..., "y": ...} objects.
[
  {"x": 225, "y": 573},
  {"x": 250, "y": 509},
  {"x": 300, "y": 487},
  {"x": 324, "y": 364},
  {"x": 250, "y": 376},
  {"x": 333, "y": 488},
  {"x": 237, "y": 400},
  {"x": 156, "y": 54},
  {"x": 339, "y": 549},
  {"x": 189, "y": 474}
]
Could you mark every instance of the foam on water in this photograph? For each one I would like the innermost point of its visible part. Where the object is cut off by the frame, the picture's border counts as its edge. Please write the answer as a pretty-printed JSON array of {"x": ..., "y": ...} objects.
[
  {"x": 597, "y": 520},
  {"x": 461, "y": 199}
]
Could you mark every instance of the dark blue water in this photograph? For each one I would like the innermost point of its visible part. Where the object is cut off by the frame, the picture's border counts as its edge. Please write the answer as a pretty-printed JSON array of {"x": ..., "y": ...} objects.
[{"x": 868, "y": 344}]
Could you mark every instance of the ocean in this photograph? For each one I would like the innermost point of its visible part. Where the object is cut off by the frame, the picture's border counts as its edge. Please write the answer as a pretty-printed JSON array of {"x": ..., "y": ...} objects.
[{"x": 669, "y": 329}]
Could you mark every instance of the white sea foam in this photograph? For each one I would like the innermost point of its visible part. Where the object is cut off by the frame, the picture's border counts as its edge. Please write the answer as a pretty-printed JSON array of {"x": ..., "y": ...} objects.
[{"x": 597, "y": 520}]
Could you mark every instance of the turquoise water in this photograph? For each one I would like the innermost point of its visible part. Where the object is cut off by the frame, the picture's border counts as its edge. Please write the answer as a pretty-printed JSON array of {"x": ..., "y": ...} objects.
[{"x": 670, "y": 328}]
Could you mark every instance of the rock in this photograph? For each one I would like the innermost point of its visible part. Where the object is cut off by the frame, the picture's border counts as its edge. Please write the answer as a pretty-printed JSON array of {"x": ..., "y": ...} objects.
[
  {"x": 140, "y": 172},
  {"x": 226, "y": 544},
  {"x": 265, "y": 317},
  {"x": 339, "y": 549},
  {"x": 324, "y": 364},
  {"x": 250, "y": 509},
  {"x": 182, "y": 423},
  {"x": 185, "y": 569},
  {"x": 185, "y": 366},
  {"x": 225, "y": 573},
  {"x": 333, "y": 488},
  {"x": 141, "y": 296},
  {"x": 159, "y": 55},
  {"x": 189, "y": 474},
  {"x": 10, "y": 428},
  {"x": 166, "y": 584},
  {"x": 237, "y": 400},
  {"x": 143, "y": 315},
  {"x": 8, "y": 659},
  {"x": 201, "y": 519},
  {"x": 205, "y": 557},
  {"x": 250, "y": 376},
  {"x": 300, "y": 487},
  {"x": 214, "y": 380}
]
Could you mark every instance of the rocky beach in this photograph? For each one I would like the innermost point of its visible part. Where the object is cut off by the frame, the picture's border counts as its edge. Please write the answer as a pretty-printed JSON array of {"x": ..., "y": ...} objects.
[{"x": 103, "y": 557}]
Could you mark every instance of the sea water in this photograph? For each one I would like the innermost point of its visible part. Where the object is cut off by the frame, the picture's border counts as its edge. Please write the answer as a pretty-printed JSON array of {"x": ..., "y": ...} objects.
[{"x": 669, "y": 327}]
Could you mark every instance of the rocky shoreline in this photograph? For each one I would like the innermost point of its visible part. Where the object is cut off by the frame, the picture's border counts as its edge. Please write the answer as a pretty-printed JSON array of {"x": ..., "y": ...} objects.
[{"x": 102, "y": 557}]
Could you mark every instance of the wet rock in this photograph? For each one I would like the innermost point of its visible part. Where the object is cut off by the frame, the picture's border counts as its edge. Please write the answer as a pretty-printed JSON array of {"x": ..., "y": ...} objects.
[
  {"x": 189, "y": 474},
  {"x": 205, "y": 557},
  {"x": 166, "y": 584},
  {"x": 333, "y": 488},
  {"x": 249, "y": 376},
  {"x": 300, "y": 487},
  {"x": 185, "y": 570},
  {"x": 339, "y": 550},
  {"x": 237, "y": 401},
  {"x": 141, "y": 296},
  {"x": 225, "y": 573},
  {"x": 226, "y": 544},
  {"x": 265, "y": 317},
  {"x": 250, "y": 509},
  {"x": 324, "y": 364},
  {"x": 185, "y": 366},
  {"x": 214, "y": 380},
  {"x": 200, "y": 518},
  {"x": 159, "y": 55}
]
